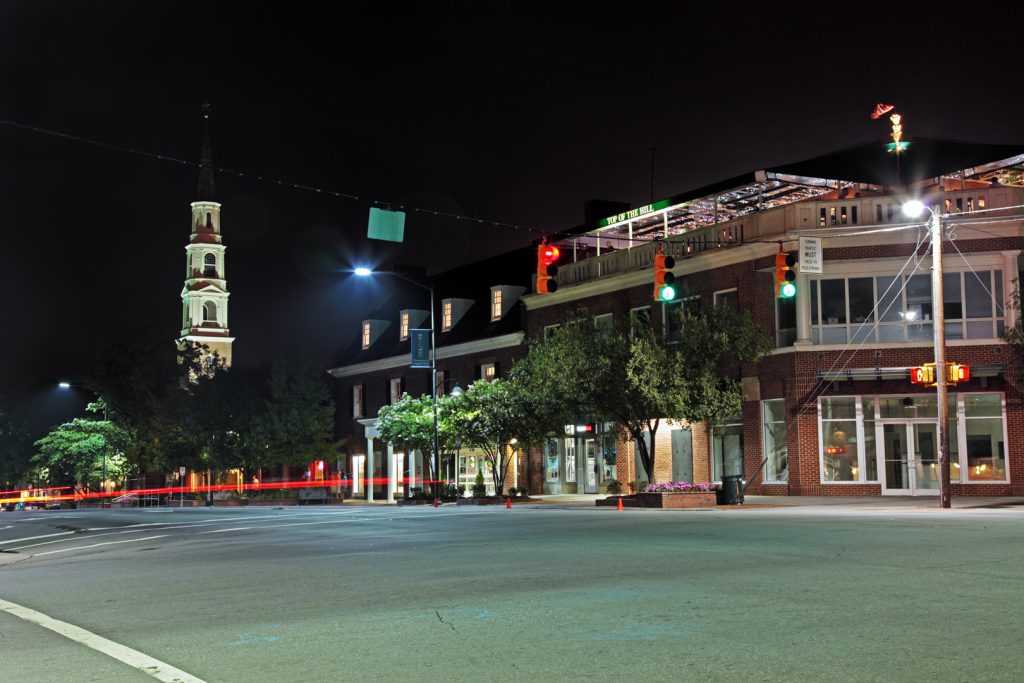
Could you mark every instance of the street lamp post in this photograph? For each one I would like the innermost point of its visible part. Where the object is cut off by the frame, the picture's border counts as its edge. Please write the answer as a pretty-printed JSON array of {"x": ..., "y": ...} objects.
[
  {"x": 366, "y": 272},
  {"x": 913, "y": 209}
]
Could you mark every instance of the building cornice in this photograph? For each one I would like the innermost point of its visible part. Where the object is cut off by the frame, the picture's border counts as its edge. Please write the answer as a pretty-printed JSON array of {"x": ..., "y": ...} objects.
[{"x": 466, "y": 348}]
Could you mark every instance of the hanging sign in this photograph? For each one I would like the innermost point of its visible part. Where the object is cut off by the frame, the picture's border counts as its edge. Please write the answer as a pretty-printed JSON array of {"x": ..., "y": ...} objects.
[
  {"x": 419, "y": 342},
  {"x": 810, "y": 255}
]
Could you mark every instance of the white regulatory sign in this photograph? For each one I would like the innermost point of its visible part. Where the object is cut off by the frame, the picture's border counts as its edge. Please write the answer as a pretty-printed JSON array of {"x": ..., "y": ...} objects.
[
  {"x": 810, "y": 255},
  {"x": 181, "y": 471}
]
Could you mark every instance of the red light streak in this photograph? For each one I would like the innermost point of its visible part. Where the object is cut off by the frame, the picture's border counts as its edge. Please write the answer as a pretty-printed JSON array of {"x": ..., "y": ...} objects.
[{"x": 34, "y": 495}]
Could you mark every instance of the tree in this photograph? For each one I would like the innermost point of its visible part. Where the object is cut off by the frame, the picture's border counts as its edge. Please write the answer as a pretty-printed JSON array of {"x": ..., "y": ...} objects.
[
  {"x": 16, "y": 449},
  {"x": 145, "y": 380},
  {"x": 75, "y": 452},
  {"x": 493, "y": 417},
  {"x": 409, "y": 426},
  {"x": 1014, "y": 336},
  {"x": 636, "y": 378},
  {"x": 299, "y": 419}
]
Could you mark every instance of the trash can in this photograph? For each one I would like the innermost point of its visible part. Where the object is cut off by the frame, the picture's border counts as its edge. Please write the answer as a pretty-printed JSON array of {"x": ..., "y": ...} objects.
[{"x": 731, "y": 492}]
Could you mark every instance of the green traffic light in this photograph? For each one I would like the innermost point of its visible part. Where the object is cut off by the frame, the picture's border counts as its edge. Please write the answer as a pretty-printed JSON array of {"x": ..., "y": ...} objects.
[
  {"x": 788, "y": 290},
  {"x": 668, "y": 293}
]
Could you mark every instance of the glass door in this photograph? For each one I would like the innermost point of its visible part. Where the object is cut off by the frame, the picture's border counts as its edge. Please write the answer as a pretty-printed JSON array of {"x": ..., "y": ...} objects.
[
  {"x": 926, "y": 458},
  {"x": 590, "y": 451},
  {"x": 910, "y": 452},
  {"x": 896, "y": 456}
]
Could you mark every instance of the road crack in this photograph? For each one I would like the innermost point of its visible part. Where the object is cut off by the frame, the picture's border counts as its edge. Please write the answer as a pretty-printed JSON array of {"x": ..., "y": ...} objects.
[{"x": 447, "y": 623}]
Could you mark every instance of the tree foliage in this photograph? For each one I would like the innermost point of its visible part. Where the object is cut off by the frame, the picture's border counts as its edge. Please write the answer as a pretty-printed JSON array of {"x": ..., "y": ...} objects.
[
  {"x": 299, "y": 413},
  {"x": 636, "y": 379},
  {"x": 74, "y": 452},
  {"x": 409, "y": 426}
]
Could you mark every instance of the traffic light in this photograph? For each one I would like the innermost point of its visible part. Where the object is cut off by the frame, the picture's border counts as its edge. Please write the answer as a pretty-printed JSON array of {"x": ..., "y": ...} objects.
[
  {"x": 785, "y": 278},
  {"x": 547, "y": 254},
  {"x": 957, "y": 373},
  {"x": 664, "y": 290},
  {"x": 923, "y": 374}
]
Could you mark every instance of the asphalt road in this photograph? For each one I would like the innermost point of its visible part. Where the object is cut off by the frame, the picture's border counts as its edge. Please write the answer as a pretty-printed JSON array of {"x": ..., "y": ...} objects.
[{"x": 468, "y": 594}]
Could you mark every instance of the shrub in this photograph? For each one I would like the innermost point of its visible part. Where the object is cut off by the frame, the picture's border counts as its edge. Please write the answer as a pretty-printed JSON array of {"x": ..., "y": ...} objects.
[
  {"x": 614, "y": 486},
  {"x": 682, "y": 486}
]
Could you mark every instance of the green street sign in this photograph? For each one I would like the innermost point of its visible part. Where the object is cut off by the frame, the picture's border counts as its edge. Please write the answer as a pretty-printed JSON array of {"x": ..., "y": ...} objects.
[{"x": 386, "y": 225}]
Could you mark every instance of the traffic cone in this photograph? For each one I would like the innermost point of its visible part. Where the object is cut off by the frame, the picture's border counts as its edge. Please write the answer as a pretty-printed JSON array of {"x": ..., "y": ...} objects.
[
  {"x": 620, "y": 504},
  {"x": 508, "y": 503},
  {"x": 435, "y": 502}
]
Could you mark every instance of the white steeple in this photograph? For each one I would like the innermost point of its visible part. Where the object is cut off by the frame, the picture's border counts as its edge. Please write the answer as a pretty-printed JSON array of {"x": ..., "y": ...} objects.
[{"x": 204, "y": 298}]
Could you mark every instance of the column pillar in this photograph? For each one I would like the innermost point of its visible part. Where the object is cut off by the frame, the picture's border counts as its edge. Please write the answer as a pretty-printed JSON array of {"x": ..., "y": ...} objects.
[
  {"x": 803, "y": 309},
  {"x": 369, "y": 468},
  {"x": 392, "y": 474}
]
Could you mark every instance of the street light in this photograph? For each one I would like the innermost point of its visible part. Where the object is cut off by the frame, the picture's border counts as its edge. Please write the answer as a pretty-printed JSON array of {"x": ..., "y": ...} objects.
[
  {"x": 913, "y": 209},
  {"x": 363, "y": 271}
]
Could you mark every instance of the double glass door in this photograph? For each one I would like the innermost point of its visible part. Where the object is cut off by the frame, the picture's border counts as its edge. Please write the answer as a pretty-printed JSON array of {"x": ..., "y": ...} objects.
[{"x": 910, "y": 451}]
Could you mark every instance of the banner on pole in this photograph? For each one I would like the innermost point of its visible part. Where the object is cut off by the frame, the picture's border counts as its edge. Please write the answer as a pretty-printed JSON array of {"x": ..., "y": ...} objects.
[{"x": 419, "y": 342}]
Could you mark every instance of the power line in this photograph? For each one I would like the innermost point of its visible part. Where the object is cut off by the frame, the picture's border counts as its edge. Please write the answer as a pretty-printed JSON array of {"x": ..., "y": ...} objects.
[{"x": 260, "y": 178}]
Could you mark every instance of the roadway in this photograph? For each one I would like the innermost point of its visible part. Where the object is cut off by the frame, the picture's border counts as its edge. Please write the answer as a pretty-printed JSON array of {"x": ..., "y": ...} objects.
[{"x": 837, "y": 592}]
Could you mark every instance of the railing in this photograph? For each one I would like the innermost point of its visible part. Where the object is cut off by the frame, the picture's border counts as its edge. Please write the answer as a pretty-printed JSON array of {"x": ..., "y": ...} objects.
[{"x": 810, "y": 215}]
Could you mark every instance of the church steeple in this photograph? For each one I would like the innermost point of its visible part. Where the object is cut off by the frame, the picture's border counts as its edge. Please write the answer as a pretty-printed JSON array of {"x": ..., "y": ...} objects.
[
  {"x": 206, "y": 188},
  {"x": 204, "y": 298}
]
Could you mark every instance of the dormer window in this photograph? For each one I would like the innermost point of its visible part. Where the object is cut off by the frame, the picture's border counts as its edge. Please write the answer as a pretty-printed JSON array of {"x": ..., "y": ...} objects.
[
  {"x": 403, "y": 325},
  {"x": 496, "y": 304},
  {"x": 503, "y": 298},
  {"x": 366, "y": 334},
  {"x": 446, "y": 316},
  {"x": 452, "y": 311}
]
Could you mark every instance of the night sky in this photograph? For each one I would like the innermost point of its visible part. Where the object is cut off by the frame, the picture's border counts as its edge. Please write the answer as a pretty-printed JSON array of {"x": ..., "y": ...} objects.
[{"x": 515, "y": 112}]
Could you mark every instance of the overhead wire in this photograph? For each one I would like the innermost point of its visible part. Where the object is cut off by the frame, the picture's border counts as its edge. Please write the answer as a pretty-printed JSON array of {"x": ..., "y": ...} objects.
[{"x": 259, "y": 177}]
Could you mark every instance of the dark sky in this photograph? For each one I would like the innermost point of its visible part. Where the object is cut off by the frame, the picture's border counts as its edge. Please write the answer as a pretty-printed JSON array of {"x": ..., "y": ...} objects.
[{"x": 516, "y": 112}]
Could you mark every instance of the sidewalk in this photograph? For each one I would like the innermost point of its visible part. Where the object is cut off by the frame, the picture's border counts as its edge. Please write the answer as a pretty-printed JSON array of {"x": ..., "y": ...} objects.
[{"x": 588, "y": 501}]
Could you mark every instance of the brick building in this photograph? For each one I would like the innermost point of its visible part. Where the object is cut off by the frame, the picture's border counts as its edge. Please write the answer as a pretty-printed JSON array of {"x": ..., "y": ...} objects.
[
  {"x": 479, "y": 330},
  {"x": 831, "y": 410}
]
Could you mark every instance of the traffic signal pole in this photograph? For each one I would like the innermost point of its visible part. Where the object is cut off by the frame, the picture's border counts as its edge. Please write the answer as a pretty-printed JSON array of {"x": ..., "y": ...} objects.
[{"x": 941, "y": 380}]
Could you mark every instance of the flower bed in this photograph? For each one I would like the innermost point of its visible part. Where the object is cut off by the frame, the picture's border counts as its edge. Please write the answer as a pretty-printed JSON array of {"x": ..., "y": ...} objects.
[{"x": 675, "y": 494}]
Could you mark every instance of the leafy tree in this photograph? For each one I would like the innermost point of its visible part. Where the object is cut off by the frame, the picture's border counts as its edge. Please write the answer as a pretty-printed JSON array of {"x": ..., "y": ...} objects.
[
  {"x": 409, "y": 426},
  {"x": 16, "y": 450},
  {"x": 74, "y": 452},
  {"x": 492, "y": 416},
  {"x": 299, "y": 420},
  {"x": 145, "y": 379},
  {"x": 636, "y": 379},
  {"x": 1014, "y": 336}
]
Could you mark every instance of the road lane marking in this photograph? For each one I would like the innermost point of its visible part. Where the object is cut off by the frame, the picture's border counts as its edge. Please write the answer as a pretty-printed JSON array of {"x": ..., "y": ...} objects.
[
  {"x": 97, "y": 545},
  {"x": 32, "y": 538},
  {"x": 162, "y": 671}
]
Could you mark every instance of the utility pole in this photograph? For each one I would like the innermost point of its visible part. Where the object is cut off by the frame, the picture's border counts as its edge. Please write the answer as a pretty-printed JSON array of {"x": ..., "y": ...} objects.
[{"x": 939, "y": 322}]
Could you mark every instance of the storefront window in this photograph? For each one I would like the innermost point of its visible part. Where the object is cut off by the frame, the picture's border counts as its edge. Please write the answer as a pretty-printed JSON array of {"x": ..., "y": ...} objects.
[
  {"x": 773, "y": 418},
  {"x": 839, "y": 434},
  {"x": 870, "y": 454},
  {"x": 552, "y": 465},
  {"x": 983, "y": 426},
  {"x": 608, "y": 457},
  {"x": 727, "y": 441}
]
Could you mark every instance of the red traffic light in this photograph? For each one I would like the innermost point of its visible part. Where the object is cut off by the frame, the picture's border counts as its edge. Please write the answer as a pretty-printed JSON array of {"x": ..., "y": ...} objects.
[
  {"x": 547, "y": 254},
  {"x": 922, "y": 374}
]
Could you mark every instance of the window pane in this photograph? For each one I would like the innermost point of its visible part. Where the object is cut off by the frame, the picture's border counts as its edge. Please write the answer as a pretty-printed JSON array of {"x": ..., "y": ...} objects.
[
  {"x": 919, "y": 299},
  {"x": 840, "y": 456},
  {"x": 833, "y": 301},
  {"x": 986, "y": 458},
  {"x": 862, "y": 299},
  {"x": 870, "y": 455},
  {"x": 728, "y": 299},
  {"x": 919, "y": 331},
  {"x": 979, "y": 302},
  {"x": 955, "y": 330},
  {"x": 951, "y": 296},
  {"x": 890, "y": 333},
  {"x": 983, "y": 405},
  {"x": 814, "y": 301},
  {"x": 890, "y": 308},
  {"x": 839, "y": 407},
  {"x": 775, "y": 449},
  {"x": 728, "y": 450},
  {"x": 979, "y": 329},
  {"x": 1000, "y": 303},
  {"x": 833, "y": 335}
]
